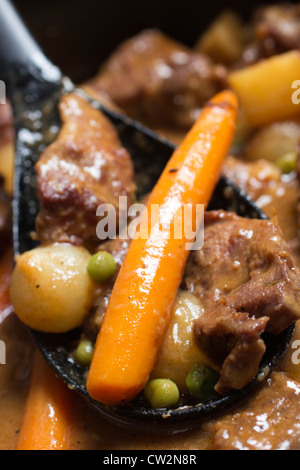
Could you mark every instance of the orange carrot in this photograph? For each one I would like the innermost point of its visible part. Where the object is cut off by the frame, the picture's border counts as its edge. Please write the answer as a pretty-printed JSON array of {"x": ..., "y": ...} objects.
[
  {"x": 47, "y": 418},
  {"x": 145, "y": 290}
]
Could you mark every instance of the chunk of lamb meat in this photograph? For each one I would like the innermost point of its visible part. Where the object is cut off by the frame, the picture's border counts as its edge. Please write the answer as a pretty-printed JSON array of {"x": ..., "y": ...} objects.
[
  {"x": 159, "y": 81},
  {"x": 5, "y": 217},
  {"x": 271, "y": 191},
  {"x": 85, "y": 167},
  {"x": 275, "y": 29},
  {"x": 6, "y": 124},
  {"x": 298, "y": 180},
  {"x": 248, "y": 284},
  {"x": 264, "y": 421}
]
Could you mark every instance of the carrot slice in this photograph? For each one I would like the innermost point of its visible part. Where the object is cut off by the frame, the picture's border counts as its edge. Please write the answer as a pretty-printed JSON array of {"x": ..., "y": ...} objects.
[
  {"x": 47, "y": 419},
  {"x": 145, "y": 289}
]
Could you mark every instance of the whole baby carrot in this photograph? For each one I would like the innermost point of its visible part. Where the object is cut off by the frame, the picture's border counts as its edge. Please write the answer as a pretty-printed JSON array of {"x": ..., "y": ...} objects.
[
  {"x": 47, "y": 419},
  {"x": 145, "y": 289}
]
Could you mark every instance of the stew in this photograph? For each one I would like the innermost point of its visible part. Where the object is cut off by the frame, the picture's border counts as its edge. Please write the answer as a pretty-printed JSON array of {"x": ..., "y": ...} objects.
[{"x": 244, "y": 281}]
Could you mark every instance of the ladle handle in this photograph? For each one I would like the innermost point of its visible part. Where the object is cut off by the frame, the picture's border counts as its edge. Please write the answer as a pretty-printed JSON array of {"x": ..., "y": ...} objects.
[{"x": 21, "y": 59}]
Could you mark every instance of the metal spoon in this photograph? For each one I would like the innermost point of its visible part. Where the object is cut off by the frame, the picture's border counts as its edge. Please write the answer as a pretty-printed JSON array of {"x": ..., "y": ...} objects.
[{"x": 34, "y": 86}]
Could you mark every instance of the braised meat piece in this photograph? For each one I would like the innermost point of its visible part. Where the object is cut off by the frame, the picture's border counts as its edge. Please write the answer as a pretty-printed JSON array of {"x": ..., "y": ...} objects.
[
  {"x": 264, "y": 421},
  {"x": 159, "y": 81},
  {"x": 85, "y": 167},
  {"x": 272, "y": 191},
  {"x": 6, "y": 124},
  {"x": 298, "y": 180},
  {"x": 277, "y": 28},
  {"x": 5, "y": 217},
  {"x": 248, "y": 284}
]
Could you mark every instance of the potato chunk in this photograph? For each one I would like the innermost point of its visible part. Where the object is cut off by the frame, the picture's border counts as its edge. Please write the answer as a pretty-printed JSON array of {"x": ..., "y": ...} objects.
[
  {"x": 179, "y": 351},
  {"x": 51, "y": 290},
  {"x": 224, "y": 40},
  {"x": 273, "y": 141},
  {"x": 265, "y": 89}
]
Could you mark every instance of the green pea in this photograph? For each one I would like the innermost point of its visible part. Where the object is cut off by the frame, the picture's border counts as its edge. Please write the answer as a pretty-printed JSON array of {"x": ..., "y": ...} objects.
[
  {"x": 287, "y": 162},
  {"x": 201, "y": 381},
  {"x": 161, "y": 393},
  {"x": 101, "y": 266},
  {"x": 84, "y": 352}
]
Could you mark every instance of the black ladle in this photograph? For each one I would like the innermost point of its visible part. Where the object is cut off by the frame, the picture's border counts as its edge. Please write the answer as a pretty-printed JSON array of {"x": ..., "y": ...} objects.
[{"x": 34, "y": 86}]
